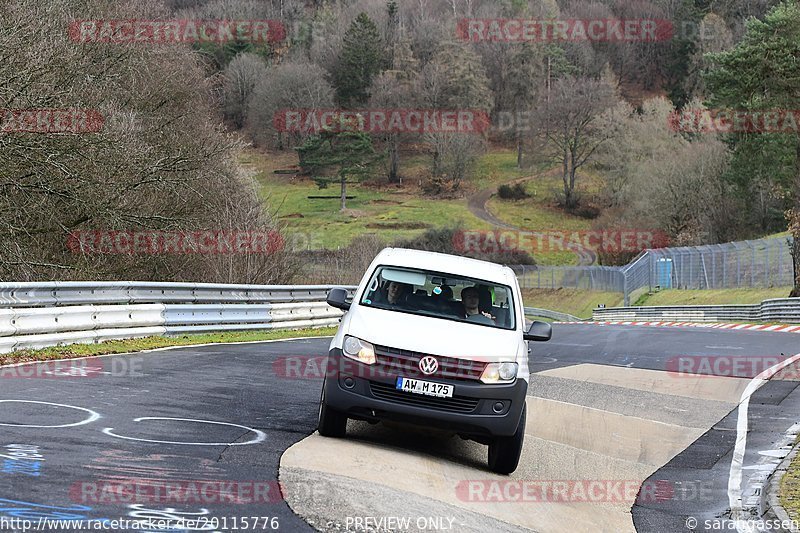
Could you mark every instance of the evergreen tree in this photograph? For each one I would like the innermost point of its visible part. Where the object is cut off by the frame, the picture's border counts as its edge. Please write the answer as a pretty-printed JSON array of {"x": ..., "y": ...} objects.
[
  {"x": 361, "y": 59},
  {"x": 348, "y": 151},
  {"x": 762, "y": 73}
]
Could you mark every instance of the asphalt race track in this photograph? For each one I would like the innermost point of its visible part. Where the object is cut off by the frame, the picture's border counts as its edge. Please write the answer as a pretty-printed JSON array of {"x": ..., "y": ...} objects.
[{"x": 200, "y": 436}]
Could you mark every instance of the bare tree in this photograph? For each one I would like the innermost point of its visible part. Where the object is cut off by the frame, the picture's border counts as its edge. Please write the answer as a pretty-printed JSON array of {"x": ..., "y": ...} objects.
[
  {"x": 240, "y": 79},
  {"x": 658, "y": 177},
  {"x": 686, "y": 189},
  {"x": 454, "y": 79},
  {"x": 455, "y": 156},
  {"x": 388, "y": 92},
  {"x": 327, "y": 34},
  {"x": 713, "y": 36},
  {"x": 394, "y": 89},
  {"x": 161, "y": 161},
  {"x": 290, "y": 86},
  {"x": 569, "y": 130}
]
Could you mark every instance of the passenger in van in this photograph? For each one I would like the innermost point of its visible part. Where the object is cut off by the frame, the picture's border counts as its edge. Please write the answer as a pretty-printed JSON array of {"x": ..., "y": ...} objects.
[{"x": 470, "y": 299}]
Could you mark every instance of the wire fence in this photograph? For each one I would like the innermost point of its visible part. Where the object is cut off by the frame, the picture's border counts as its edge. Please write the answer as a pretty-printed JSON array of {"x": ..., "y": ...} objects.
[
  {"x": 602, "y": 278},
  {"x": 745, "y": 264}
]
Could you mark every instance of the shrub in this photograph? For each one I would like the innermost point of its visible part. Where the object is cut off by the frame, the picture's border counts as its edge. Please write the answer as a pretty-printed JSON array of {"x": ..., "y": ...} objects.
[{"x": 512, "y": 192}]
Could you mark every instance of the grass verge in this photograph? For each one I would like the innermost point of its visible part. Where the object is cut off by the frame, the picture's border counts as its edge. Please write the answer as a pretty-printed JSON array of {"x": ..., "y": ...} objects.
[
  {"x": 580, "y": 303},
  {"x": 148, "y": 343},
  {"x": 713, "y": 296},
  {"x": 790, "y": 489},
  {"x": 576, "y": 302}
]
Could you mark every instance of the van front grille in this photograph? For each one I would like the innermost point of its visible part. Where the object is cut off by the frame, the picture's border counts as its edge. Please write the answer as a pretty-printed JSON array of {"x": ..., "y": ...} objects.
[{"x": 406, "y": 363}]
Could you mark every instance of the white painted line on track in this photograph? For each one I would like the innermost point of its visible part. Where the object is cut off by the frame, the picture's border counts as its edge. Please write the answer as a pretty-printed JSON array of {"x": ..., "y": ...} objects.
[
  {"x": 725, "y": 347},
  {"x": 260, "y": 435},
  {"x": 735, "y": 477},
  {"x": 573, "y": 344},
  {"x": 93, "y": 415}
]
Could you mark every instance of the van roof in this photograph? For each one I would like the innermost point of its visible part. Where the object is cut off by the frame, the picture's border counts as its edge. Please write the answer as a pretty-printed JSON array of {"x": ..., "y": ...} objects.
[{"x": 446, "y": 263}]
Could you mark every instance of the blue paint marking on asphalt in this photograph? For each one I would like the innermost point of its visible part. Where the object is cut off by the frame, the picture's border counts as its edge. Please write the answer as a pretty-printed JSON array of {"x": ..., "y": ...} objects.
[{"x": 25, "y": 468}]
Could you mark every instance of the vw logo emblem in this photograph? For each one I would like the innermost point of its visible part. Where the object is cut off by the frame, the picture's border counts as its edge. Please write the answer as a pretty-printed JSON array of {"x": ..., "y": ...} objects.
[{"x": 428, "y": 365}]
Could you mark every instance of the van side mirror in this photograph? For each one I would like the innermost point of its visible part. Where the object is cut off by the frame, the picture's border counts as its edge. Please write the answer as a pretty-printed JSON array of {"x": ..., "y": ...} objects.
[
  {"x": 338, "y": 298},
  {"x": 539, "y": 331}
]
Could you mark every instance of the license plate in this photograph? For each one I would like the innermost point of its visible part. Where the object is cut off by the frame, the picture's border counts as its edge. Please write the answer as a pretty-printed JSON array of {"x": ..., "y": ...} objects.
[{"x": 428, "y": 388}]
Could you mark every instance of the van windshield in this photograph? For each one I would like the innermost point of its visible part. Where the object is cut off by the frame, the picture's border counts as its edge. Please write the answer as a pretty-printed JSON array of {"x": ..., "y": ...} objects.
[{"x": 440, "y": 295}]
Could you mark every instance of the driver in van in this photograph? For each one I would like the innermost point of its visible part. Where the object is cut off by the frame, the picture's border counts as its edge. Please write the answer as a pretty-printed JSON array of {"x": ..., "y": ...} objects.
[
  {"x": 395, "y": 293},
  {"x": 471, "y": 300}
]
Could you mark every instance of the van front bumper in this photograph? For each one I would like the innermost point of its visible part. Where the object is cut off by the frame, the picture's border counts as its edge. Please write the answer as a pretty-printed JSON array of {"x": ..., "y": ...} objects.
[{"x": 476, "y": 409}]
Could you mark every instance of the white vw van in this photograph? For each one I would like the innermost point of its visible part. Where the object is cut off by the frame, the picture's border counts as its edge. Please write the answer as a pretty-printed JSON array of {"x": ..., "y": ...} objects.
[{"x": 433, "y": 340}]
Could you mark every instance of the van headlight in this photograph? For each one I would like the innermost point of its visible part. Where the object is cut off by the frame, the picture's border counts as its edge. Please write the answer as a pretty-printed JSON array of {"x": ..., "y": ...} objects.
[
  {"x": 500, "y": 373},
  {"x": 359, "y": 350}
]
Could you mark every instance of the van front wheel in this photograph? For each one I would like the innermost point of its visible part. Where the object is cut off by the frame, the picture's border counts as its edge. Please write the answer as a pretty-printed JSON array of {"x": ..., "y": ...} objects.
[
  {"x": 331, "y": 422},
  {"x": 504, "y": 452}
]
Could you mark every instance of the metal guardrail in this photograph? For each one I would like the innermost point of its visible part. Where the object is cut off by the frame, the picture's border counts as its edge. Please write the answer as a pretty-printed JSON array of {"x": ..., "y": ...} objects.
[
  {"x": 54, "y": 293},
  {"x": 38, "y": 315},
  {"x": 554, "y": 315},
  {"x": 782, "y": 310}
]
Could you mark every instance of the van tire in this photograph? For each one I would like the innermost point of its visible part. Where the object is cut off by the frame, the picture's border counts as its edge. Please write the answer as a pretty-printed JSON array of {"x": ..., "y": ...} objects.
[
  {"x": 332, "y": 423},
  {"x": 504, "y": 452}
]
